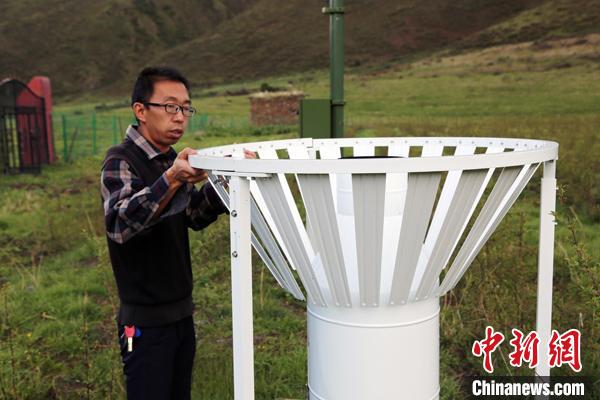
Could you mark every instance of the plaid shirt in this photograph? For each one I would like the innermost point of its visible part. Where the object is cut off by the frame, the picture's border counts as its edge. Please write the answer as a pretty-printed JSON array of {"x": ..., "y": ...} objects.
[{"x": 130, "y": 205}]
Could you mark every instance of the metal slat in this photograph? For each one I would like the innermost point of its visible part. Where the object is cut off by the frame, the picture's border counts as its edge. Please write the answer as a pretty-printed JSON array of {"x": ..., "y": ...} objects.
[
  {"x": 363, "y": 150},
  {"x": 273, "y": 194},
  {"x": 277, "y": 265},
  {"x": 395, "y": 199},
  {"x": 329, "y": 152},
  {"x": 394, "y": 207},
  {"x": 459, "y": 212},
  {"x": 262, "y": 230},
  {"x": 269, "y": 153},
  {"x": 345, "y": 219},
  {"x": 318, "y": 201},
  {"x": 298, "y": 153},
  {"x": 264, "y": 211},
  {"x": 303, "y": 153},
  {"x": 489, "y": 150},
  {"x": 368, "y": 192},
  {"x": 430, "y": 149},
  {"x": 508, "y": 187},
  {"x": 420, "y": 196},
  {"x": 398, "y": 150},
  {"x": 441, "y": 210},
  {"x": 505, "y": 181},
  {"x": 287, "y": 193},
  {"x": 499, "y": 192}
]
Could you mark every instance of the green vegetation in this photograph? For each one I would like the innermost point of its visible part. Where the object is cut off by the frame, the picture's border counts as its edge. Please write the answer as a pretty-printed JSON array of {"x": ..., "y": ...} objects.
[
  {"x": 58, "y": 298},
  {"x": 94, "y": 48},
  {"x": 559, "y": 18}
]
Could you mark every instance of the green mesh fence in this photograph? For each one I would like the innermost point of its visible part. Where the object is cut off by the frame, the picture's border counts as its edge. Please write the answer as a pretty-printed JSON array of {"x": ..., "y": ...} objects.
[{"x": 84, "y": 135}]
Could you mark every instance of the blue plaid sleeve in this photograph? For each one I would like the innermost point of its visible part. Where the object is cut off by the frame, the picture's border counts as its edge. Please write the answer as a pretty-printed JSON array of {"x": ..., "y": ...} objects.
[{"x": 129, "y": 205}]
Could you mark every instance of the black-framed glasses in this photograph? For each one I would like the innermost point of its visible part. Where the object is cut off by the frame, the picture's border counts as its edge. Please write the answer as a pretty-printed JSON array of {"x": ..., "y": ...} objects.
[{"x": 172, "y": 108}]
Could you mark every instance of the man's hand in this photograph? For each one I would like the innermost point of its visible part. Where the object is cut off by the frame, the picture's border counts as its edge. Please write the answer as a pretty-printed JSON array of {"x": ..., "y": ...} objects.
[
  {"x": 249, "y": 154},
  {"x": 182, "y": 172}
]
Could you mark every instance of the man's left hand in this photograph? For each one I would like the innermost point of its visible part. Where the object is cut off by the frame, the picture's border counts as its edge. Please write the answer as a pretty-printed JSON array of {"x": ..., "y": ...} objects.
[{"x": 249, "y": 154}]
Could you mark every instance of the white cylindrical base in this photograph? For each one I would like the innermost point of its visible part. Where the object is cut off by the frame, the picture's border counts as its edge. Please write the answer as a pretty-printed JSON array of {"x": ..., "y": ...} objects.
[{"x": 384, "y": 353}]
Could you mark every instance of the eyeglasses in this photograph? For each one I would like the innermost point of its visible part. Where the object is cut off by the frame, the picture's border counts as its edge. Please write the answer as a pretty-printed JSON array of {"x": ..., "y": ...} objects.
[{"x": 173, "y": 108}]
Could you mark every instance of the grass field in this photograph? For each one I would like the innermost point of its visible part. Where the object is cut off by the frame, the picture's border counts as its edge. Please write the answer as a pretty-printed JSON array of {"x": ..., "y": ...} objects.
[{"x": 58, "y": 298}]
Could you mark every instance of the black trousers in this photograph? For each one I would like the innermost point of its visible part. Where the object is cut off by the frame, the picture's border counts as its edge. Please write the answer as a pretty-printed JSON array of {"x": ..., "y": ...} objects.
[{"x": 160, "y": 365}]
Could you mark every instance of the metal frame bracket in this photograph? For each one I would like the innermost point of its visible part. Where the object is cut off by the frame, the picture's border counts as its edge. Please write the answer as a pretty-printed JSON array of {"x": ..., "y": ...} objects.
[{"x": 333, "y": 10}]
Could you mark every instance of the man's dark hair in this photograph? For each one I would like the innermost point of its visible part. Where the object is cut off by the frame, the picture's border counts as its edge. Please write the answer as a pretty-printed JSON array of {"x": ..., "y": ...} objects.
[{"x": 144, "y": 85}]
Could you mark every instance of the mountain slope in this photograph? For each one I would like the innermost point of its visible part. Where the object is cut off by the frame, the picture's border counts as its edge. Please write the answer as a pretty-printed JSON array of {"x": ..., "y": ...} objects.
[
  {"x": 296, "y": 38},
  {"x": 550, "y": 19},
  {"x": 99, "y": 46},
  {"x": 87, "y": 45}
]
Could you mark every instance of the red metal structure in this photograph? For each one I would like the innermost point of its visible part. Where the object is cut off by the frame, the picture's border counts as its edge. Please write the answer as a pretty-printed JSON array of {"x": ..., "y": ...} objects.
[
  {"x": 40, "y": 85},
  {"x": 26, "y": 139}
]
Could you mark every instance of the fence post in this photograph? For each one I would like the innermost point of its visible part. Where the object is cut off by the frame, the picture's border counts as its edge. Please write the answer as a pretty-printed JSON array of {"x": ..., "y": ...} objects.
[
  {"x": 120, "y": 127},
  {"x": 64, "y": 133},
  {"x": 114, "y": 126},
  {"x": 94, "y": 148},
  {"x": 83, "y": 147}
]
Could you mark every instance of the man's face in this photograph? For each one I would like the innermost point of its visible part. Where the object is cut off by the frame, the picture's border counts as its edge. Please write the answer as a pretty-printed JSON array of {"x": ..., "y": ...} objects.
[{"x": 159, "y": 127}]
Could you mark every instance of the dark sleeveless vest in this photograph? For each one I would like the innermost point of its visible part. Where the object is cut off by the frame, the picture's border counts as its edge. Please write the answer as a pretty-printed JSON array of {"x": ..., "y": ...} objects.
[{"x": 152, "y": 269}]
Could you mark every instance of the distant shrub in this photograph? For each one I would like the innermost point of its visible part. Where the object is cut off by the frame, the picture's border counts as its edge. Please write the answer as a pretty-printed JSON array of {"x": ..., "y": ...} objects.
[
  {"x": 265, "y": 87},
  {"x": 237, "y": 92}
]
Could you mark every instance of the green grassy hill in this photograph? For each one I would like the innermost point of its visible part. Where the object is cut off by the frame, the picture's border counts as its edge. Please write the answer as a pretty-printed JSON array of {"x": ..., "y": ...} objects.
[
  {"x": 89, "y": 45},
  {"x": 98, "y": 46},
  {"x": 550, "y": 19}
]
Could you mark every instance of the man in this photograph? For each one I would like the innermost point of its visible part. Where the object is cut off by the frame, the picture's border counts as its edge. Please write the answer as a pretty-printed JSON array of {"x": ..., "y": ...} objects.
[{"x": 149, "y": 202}]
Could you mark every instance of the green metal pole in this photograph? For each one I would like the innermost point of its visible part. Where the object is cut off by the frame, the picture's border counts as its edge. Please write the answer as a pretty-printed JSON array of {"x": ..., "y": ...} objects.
[
  {"x": 336, "y": 54},
  {"x": 115, "y": 134},
  {"x": 64, "y": 134},
  {"x": 94, "y": 147}
]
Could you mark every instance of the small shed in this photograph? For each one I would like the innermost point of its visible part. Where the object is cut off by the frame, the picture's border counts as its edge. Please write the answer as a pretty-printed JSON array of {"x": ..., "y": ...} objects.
[{"x": 275, "y": 108}]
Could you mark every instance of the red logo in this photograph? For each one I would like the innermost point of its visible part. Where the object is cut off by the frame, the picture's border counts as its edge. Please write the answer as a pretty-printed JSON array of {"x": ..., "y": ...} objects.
[
  {"x": 562, "y": 349},
  {"x": 565, "y": 349},
  {"x": 487, "y": 346},
  {"x": 525, "y": 349}
]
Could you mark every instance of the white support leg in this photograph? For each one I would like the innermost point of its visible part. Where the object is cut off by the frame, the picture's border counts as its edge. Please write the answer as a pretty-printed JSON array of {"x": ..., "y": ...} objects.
[
  {"x": 545, "y": 265},
  {"x": 241, "y": 289}
]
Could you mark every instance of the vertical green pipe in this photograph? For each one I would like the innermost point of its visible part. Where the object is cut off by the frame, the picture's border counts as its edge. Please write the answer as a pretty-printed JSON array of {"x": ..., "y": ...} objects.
[
  {"x": 94, "y": 147},
  {"x": 115, "y": 134},
  {"x": 64, "y": 134},
  {"x": 336, "y": 53}
]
